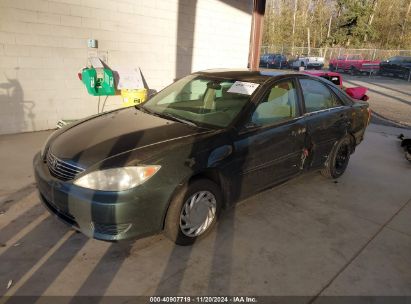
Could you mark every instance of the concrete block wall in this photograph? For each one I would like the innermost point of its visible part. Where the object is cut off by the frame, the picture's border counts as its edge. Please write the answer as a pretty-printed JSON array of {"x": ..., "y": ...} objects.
[{"x": 43, "y": 44}]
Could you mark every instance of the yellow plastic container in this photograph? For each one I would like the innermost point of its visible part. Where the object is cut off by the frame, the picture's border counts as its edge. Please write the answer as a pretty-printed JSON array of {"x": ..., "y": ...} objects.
[{"x": 133, "y": 97}]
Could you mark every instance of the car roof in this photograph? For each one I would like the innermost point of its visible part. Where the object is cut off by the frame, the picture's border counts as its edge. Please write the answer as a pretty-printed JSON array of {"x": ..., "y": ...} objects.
[{"x": 246, "y": 75}]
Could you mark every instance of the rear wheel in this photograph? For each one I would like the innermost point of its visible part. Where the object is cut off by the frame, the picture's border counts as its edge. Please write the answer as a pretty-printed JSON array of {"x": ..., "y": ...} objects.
[
  {"x": 331, "y": 67},
  {"x": 193, "y": 212},
  {"x": 408, "y": 155},
  {"x": 338, "y": 159}
]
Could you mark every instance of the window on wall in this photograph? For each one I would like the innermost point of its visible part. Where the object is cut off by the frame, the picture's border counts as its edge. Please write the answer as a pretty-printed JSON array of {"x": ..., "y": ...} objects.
[
  {"x": 279, "y": 105},
  {"x": 317, "y": 96}
]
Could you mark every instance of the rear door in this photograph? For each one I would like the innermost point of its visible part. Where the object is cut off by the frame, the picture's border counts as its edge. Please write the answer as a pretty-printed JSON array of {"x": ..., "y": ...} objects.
[{"x": 325, "y": 117}]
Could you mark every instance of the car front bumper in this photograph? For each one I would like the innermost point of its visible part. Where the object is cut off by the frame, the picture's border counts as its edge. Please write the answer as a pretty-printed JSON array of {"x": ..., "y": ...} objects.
[
  {"x": 315, "y": 65},
  {"x": 104, "y": 215}
]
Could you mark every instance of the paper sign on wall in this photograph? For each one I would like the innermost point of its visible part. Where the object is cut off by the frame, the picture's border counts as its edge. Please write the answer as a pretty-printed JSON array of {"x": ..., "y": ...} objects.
[
  {"x": 130, "y": 79},
  {"x": 241, "y": 87}
]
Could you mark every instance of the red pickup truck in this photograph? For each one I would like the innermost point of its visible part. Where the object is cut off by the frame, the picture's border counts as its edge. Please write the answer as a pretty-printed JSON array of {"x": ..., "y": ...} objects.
[{"x": 354, "y": 64}]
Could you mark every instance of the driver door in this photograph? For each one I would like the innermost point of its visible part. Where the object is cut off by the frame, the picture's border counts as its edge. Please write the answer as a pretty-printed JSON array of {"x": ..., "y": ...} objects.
[{"x": 269, "y": 149}]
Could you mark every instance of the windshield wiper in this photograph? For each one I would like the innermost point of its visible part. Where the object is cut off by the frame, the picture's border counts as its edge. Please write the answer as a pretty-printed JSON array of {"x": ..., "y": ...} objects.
[
  {"x": 172, "y": 117},
  {"x": 166, "y": 116},
  {"x": 143, "y": 109}
]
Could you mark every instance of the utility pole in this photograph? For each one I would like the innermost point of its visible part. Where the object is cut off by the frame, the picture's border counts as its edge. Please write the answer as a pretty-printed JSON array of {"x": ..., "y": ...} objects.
[{"x": 308, "y": 40}]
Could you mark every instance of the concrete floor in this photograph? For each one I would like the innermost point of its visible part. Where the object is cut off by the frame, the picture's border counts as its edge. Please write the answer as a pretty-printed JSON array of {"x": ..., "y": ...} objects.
[{"x": 311, "y": 236}]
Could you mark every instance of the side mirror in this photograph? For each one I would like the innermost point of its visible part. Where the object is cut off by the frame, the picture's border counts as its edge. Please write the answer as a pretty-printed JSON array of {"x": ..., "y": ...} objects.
[{"x": 251, "y": 125}]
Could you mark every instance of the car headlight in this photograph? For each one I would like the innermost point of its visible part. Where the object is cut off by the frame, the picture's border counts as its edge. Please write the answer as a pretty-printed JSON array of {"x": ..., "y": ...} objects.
[{"x": 117, "y": 179}]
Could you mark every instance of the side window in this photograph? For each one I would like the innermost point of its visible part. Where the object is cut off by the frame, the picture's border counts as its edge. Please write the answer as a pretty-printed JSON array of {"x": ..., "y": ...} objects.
[
  {"x": 280, "y": 104},
  {"x": 317, "y": 96}
]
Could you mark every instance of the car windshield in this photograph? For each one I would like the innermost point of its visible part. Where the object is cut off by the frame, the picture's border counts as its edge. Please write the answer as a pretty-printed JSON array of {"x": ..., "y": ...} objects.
[{"x": 199, "y": 100}]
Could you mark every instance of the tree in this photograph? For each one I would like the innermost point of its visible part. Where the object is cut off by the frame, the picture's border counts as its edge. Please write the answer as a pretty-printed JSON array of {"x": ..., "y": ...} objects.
[{"x": 342, "y": 23}]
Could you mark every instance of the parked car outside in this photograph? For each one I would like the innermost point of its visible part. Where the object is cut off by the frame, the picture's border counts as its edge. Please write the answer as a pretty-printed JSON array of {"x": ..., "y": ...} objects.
[
  {"x": 203, "y": 143},
  {"x": 359, "y": 93},
  {"x": 275, "y": 61},
  {"x": 354, "y": 64},
  {"x": 398, "y": 66},
  {"x": 308, "y": 62}
]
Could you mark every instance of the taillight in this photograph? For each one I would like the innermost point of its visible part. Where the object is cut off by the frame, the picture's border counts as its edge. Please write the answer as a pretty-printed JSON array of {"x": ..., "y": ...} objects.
[{"x": 365, "y": 98}]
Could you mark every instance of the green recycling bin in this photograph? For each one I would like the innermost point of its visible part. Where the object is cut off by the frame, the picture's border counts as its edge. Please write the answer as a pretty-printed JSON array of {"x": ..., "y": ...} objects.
[{"x": 98, "y": 82}]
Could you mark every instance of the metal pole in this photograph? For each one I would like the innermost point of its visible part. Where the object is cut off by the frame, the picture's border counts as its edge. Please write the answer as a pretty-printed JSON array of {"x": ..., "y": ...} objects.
[{"x": 256, "y": 33}]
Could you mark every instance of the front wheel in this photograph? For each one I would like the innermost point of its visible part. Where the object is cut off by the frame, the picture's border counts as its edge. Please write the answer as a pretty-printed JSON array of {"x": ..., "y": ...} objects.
[
  {"x": 338, "y": 159},
  {"x": 193, "y": 212}
]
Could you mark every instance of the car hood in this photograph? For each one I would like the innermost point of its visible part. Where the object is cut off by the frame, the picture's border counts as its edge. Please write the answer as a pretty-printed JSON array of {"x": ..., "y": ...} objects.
[{"x": 110, "y": 134}]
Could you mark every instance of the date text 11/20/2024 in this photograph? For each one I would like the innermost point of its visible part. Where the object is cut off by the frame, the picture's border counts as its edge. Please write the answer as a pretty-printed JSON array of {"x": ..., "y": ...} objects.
[{"x": 204, "y": 299}]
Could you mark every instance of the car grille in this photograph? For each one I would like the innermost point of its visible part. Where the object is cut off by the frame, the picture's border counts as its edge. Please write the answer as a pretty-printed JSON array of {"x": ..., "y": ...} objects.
[{"x": 61, "y": 169}]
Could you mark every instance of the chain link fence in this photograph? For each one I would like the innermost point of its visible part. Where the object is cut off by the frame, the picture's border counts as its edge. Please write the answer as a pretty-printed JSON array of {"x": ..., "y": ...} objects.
[{"x": 329, "y": 53}]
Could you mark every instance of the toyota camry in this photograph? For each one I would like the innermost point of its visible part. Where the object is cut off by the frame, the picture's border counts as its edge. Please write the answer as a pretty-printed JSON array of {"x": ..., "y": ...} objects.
[{"x": 212, "y": 138}]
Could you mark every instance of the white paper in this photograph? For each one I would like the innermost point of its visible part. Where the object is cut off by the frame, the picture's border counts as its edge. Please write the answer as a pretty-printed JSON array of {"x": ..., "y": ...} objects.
[
  {"x": 241, "y": 87},
  {"x": 130, "y": 79},
  {"x": 96, "y": 62}
]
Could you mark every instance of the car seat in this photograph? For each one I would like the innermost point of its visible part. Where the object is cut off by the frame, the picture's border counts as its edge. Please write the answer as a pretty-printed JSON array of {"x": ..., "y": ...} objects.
[{"x": 277, "y": 107}]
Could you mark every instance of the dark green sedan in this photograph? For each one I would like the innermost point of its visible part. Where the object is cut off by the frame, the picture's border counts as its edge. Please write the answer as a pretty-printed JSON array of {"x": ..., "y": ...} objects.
[{"x": 173, "y": 163}]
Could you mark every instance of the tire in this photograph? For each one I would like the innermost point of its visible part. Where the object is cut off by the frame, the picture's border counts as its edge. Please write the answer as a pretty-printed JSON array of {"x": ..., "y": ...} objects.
[
  {"x": 407, "y": 155},
  {"x": 175, "y": 214},
  {"x": 353, "y": 71},
  {"x": 331, "y": 68},
  {"x": 335, "y": 166}
]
